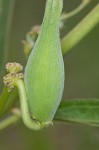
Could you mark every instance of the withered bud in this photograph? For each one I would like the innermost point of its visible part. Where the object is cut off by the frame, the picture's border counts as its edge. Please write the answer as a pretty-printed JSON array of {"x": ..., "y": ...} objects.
[
  {"x": 36, "y": 29},
  {"x": 9, "y": 80},
  {"x": 13, "y": 70},
  {"x": 31, "y": 38},
  {"x": 14, "y": 67}
]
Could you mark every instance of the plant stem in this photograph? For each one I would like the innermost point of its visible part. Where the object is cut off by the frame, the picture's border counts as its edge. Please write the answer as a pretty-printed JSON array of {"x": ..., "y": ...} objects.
[
  {"x": 80, "y": 31},
  {"x": 28, "y": 121},
  {"x": 75, "y": 11},
  {"x": 9, "y": 121}
]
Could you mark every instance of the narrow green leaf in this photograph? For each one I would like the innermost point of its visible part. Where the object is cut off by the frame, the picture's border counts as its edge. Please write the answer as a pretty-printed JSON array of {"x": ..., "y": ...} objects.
[
  {"x": 79, "y": 111},
  {"x": 7, "y": 100},
  {"x": 6, "y": 11}
]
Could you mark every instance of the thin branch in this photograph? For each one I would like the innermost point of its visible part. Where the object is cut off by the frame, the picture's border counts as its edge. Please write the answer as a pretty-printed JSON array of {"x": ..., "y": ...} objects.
[
  {"x": 75, "y": 11},
  {"x": 80, "y": 31}
]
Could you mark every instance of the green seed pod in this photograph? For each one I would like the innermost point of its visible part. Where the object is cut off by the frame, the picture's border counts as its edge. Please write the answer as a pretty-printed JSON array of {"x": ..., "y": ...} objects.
[{"x": 44, "y": 72}]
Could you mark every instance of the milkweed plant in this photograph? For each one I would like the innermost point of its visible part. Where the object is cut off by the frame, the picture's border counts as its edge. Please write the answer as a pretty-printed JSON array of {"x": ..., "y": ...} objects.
[{"x": 39, "y": 88}]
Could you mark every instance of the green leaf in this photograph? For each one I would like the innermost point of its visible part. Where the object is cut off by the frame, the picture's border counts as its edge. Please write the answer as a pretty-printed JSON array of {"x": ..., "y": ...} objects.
[
  {"x": 79, "y": 111},
  {"x": 7, "y": 100},
  {"x": 6, "y": 11}
]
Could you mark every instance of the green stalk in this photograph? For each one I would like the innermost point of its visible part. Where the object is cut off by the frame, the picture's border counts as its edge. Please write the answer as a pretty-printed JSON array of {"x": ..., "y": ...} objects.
[
  {"x": 27, "y": 119},
  {"x": 75, "y": 11},
  {"x": 80, "y": 31}
]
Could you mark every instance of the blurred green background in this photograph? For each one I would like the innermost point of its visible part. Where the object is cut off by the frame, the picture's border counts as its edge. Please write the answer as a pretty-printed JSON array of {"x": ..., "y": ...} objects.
[{"x": 82, "y": 81}]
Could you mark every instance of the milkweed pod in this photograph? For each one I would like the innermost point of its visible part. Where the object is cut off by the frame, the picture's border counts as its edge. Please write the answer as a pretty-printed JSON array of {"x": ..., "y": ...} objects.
[{"x": 44, "y": 72}]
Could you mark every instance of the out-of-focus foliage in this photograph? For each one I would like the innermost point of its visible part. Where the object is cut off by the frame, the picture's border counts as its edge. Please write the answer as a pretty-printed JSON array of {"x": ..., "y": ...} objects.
[{"x": 6, "y": 12}]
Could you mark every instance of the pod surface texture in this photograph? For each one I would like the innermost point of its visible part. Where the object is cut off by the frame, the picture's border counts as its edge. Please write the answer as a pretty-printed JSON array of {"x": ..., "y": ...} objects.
[{"x": 44, "y": 72}]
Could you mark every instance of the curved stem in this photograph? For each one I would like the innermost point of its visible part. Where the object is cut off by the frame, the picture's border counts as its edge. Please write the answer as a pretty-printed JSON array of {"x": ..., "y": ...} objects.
[
  {"x": 28, "y": 121},
  {"x": 75, "y": 11},
  {"x": 80, "y": 31}
]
